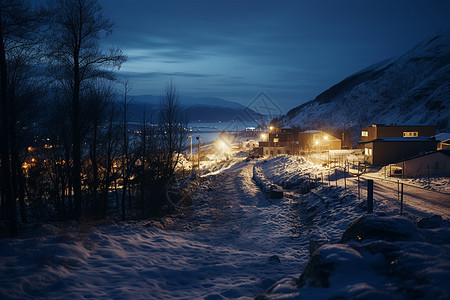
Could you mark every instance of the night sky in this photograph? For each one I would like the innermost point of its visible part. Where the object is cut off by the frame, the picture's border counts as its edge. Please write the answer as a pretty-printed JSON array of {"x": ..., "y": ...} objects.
[{"x": 293, "y": 50}]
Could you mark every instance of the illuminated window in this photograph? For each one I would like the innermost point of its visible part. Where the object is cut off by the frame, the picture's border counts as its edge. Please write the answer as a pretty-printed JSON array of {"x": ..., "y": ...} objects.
[
  {"x": 368, "y": 151},
  {"x": 275, "y": 140},
  {"x": 364, "y": 133},
  {"x": 410, "y": 133}
]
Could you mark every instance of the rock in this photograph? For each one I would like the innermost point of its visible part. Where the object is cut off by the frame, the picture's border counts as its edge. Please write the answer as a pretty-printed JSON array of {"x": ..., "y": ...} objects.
[
  {"x": 314, "y": 244},
  {"x": 326, "y": 260},
  {"x": 276, "y": 194},
  {"x": 375, "y": 227},
  {"x": 275, "y": 258}
]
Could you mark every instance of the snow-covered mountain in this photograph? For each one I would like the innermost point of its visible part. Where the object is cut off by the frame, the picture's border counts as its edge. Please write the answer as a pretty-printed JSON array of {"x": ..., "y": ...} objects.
[
  {"x": 206, "y": 109},
  {"x": 411, "y": 89}
]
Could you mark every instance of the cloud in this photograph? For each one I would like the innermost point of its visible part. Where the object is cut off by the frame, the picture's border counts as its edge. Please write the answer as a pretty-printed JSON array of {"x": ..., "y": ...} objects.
[{"x": 237, "y": 48}]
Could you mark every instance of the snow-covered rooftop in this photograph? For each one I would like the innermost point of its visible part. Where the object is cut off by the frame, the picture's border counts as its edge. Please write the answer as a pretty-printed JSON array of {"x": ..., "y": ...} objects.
[
  {"x": 404, "y": 139},
  {"x": 311, "y": 131},
  {"x": 442, "y": 137}
]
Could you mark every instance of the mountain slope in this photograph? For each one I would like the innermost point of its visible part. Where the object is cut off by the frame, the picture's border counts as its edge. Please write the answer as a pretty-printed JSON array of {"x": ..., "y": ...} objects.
[
  {"x": 412, "y": 89},
  {"x": 206, "y": 109}
]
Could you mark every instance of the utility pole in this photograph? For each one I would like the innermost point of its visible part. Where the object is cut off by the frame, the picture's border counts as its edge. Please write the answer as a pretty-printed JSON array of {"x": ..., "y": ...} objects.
[
  {"x": 191, "y": 145},
  {"x": 198, "y": 152}
]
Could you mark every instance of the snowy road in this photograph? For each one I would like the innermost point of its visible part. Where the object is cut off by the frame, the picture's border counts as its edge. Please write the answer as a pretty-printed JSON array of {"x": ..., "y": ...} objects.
[
  {"x": 245, "y": 229},
  {"x": 418, "y": 202}
]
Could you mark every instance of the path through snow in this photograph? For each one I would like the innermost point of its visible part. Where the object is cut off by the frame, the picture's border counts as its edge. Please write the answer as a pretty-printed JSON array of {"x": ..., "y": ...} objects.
[{"x": 221, "y": 249}]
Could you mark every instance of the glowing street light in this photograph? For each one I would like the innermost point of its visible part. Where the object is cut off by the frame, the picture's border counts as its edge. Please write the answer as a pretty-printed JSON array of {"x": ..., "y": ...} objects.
[
  {"x": 191, "y": 144},
  {"x": 263, "y": 136},
  {"x": 222, "y": 145}
]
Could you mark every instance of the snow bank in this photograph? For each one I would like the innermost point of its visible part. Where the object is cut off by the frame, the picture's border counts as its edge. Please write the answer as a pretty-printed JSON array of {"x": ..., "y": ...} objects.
[
  {"x": 374, "y": 256},
  {"x": 380, "y": 256}
]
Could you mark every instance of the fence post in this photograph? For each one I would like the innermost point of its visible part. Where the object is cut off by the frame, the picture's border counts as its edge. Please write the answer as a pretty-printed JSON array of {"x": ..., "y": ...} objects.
[
  {"x": 370, "y": 196},
  {"x": 398, "y": 190},
  {"x": 359, "y": 196},
  {"x": 401, "y": 200},
  {"x": 345, "y": 179},
  {"x": 335, "y": 177},
  {"x": 329, "y": 178}
]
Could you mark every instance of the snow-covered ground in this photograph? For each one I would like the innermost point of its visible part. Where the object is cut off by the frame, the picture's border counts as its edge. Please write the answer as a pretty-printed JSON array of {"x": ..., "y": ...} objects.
[
  {"x": 436, "y": 183},
  {"x": 235, "y": 242}
]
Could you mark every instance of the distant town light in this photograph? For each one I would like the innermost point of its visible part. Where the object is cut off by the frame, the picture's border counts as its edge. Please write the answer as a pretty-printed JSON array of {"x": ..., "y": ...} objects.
[{"x": 222, "y": 145}]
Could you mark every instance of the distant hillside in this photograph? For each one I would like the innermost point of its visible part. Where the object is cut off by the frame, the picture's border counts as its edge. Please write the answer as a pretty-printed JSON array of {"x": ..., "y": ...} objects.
[
  {"x": 205, "y": 109},
  {"x": 411, "y": 89}
]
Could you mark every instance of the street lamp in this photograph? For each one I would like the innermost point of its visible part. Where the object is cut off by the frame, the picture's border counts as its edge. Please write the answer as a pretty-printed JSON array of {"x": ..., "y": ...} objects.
[
  {"x": 191, "y": 144},
  {"x": 198, "y": 154}
]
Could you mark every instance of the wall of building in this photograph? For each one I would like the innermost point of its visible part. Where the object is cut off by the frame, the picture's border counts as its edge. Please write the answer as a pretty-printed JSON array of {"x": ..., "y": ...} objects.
[
  {"x": 386, "y": 152},
  {"x": 274, "y": 151},
  {"x": 382, "y": 131},
  {"x": 433, "y": 164},
  {"x": 397, "y": 131},
  {"x": 443, "y": 145},
  {"x": 371, "y": 133}
]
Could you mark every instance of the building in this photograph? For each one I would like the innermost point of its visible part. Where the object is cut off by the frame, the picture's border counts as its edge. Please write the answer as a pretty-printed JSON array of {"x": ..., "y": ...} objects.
[
  {"x": 288, "y": 140},
  {"x": 378, "y": 131},
  {"x": 443, "y": 140},
  {"x": 433, "y": 163},
  {"x": 390, "y": 150},
  {"x": 386, "y": 144}
]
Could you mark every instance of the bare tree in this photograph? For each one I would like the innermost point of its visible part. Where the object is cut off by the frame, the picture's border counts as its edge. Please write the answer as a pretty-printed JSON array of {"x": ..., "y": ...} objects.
[
  {"x": 76, "y": 28},
  {"x": 100, "y": 99},
  {"x": 172, "y": 128},
  {"x": 125, "y": 141},
  {"x": 163, "y": 148},
  {"x": 18, "y": 30}
]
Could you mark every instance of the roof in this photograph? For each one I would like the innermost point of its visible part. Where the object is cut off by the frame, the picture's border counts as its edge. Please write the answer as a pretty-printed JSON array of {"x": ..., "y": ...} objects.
[
  {"x": 399, "y": 125},
  {"x": 405, "y": 139},
  {"x": 311, "y": 131},
  {"x": 446, "y": 152},
  {"x": 441, "y": 137}
]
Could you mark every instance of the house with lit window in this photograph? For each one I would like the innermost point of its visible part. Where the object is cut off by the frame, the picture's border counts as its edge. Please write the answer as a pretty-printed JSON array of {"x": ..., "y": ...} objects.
[
  {"x": 385, "y": 144},
  {"x": 377, "y": 131},
  {"x": 287, "y": 140},
  {"x": 443, "y": 140}
]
